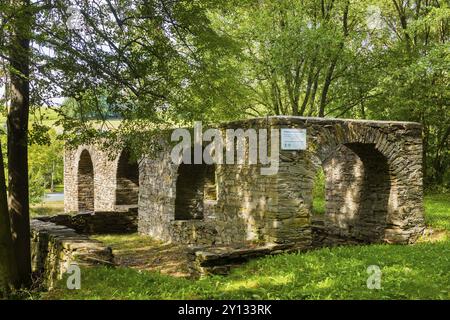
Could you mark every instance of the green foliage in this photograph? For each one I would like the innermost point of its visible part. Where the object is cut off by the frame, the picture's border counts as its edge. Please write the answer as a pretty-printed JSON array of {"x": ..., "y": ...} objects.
[
  {"x": 292, "y": 50},
  {"x": 45, "y": 153},
  {"x": 330, "y": 273},
  {"x": 376, "y": 59},
  {"x": 158, "y": 64},
  {"x": 45, "y": 161}
]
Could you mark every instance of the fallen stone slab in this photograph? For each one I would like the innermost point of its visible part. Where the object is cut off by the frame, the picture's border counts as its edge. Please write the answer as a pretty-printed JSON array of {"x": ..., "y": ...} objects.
[{"x": 220, "y": 259}]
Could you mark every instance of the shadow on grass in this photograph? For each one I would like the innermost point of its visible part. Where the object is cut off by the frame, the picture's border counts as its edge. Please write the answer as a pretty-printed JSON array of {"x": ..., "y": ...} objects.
[
  {"x": 408, "y": 272},
  {"x": 419, "y": 271}
]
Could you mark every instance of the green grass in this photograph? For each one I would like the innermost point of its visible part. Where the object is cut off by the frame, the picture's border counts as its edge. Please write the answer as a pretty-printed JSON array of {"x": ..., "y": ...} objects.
[
  {"x": 43, "y": 115},
  {"x": 319, "y": 206},
  {"x": 408, "y": 272},
  {"x": 319, "y": 193},
  {"x": 47, "y": 208},
  {"x": 419, "y": 271},
  {"x": 437, "y": 208},
  {"x": 133, "y": 241}
]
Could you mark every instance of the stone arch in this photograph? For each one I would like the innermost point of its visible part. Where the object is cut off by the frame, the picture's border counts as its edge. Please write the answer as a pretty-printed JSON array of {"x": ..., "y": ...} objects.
[
  {"x": 85, "y": 182},
  {"x": 358, "y": 186},
  {"x": 195, "y": 185},
  {"x": 127, "y": 180},
  {"x": 360, "y": 183}
]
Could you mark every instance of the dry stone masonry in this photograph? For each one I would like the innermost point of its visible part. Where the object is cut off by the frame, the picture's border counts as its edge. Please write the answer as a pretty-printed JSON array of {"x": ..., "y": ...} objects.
[
  {"x": 61, "y": 240},
  {"x": 107, "y": 222},
  {"x": 55, "y": 247},
  {"x": 373, "y": 188}
]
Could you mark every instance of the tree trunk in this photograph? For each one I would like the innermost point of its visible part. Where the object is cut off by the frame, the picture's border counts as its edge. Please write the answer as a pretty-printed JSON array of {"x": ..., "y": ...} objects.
[
  {"x": 326, "y": 87},
  {"x": 17, "y": 139},
  {"x": 329, "y": 74},
  {"x": 8, "y": 273}
]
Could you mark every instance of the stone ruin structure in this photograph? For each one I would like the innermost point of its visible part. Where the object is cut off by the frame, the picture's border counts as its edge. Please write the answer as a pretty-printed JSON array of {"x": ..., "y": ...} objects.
[{"x": 373, "y": 188}]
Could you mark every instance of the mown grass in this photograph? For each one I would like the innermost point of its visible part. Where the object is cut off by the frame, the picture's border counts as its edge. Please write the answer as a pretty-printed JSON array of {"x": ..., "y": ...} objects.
[
  {"x": 44, "y": 115},
  {"x": 419, "y": 271},
  {"x": 47, "y": 208},
  {"x": 48, "y": 117},
  {"x": 437, "y": 208},
  {"x": 408, "y": 272},
  {"x": 133, "y": 241}
]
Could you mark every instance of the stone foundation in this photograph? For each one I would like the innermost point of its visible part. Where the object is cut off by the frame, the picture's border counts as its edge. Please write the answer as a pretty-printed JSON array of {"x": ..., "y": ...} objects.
[
  {"x": 57, "y": 241},
  {"x": 55, "y": 247},
  {"x": 220, "y": 260},
  {"x": 97, "y": 222}
]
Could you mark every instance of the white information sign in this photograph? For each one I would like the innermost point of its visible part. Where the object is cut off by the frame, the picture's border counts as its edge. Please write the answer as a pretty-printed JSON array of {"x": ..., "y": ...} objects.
[{"x": 293, "y": 139}]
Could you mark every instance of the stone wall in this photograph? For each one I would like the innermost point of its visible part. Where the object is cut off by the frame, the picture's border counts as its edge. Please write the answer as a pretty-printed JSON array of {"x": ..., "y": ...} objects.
[
  {"x": 55, "y": 247},
  {"x": 373, "y": 175},
  {"x": 98, "y": 222},
  {"x": 373, "y": 189}
]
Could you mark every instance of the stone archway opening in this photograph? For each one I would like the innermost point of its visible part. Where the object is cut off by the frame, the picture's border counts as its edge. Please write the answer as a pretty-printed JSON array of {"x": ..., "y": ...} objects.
[
  {"x": 357, "y": 189},
  {"x": 127, "y": 181},
  {"x": 85, "y": 182},
  {"x": 195, "y": 189}
]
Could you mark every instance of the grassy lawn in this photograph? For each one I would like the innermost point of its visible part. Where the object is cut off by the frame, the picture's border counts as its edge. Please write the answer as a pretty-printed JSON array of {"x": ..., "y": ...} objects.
[
  {"x": 44, "y": 115},
  {"x": 48, "y": 116},
  {"x": 438, "y": 211},
  {"x": 420, "y": 271},
  {"x": 49, "y": 208}
]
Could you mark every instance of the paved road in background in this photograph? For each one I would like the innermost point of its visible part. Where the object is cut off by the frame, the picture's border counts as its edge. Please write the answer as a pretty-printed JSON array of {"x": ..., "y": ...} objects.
[{"x": 54, "y": 196}]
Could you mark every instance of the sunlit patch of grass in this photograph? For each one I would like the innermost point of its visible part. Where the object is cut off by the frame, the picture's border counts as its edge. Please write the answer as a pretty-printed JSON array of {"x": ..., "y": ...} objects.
[
  {"x": 56, "y": 188},
  {"x": 319, "y": 205},
  {"x": 437, "y": 211},
  {"x": 330, "y": 273},
  {"x": 259, "y": 281},
  {"x": 49, "y": 208},
  {"x": 126, "y": 242},
  {"x": 144, "y": 253}
]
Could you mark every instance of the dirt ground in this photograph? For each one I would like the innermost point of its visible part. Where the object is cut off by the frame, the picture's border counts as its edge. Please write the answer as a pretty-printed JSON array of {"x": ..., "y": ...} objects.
[{"x": 144, "y": 253}]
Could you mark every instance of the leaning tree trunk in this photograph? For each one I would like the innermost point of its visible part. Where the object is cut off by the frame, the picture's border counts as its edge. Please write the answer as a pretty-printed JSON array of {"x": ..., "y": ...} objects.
[
  {"x": 17, "y": 139},
  {"x": 8, "y": 272}
]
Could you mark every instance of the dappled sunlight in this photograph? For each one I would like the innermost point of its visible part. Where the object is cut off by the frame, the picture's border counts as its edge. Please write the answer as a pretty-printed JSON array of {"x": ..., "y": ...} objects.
[
  {"x": 418, "y": 271},
  {"x": 247, "y": 212},
  {"x": 144, "y": 253},
  {"x": 325, "y": 284},
  {"x": 393, "y": 199},
  {"x": 259, "y": 281},
  {"x": 329, "y": 273}
]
